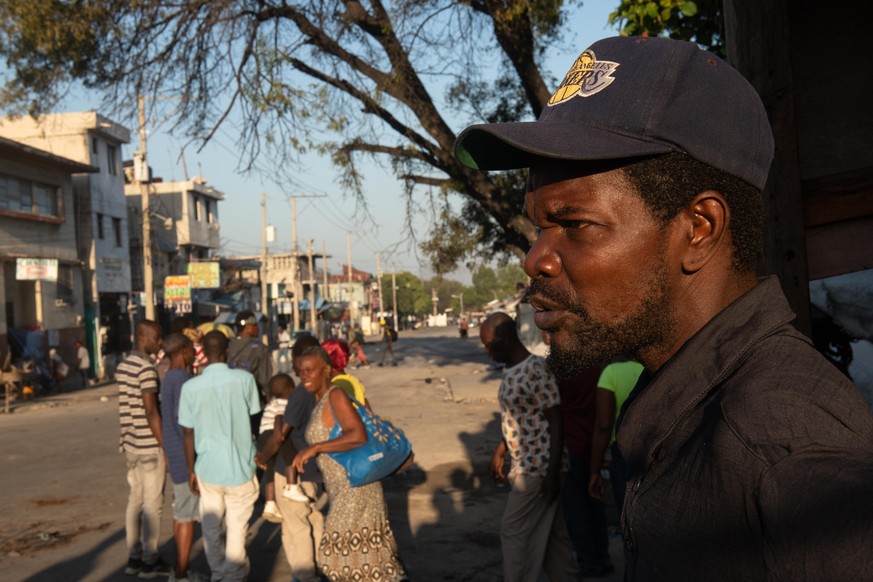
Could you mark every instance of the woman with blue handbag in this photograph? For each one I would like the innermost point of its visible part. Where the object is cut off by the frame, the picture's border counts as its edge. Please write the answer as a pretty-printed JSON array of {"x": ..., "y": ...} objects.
[{"x": 358, "y": 543}]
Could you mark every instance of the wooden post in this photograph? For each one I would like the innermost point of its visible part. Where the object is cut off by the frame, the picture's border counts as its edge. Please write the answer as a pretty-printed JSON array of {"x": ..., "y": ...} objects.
[{"x": 758, "y": 45}]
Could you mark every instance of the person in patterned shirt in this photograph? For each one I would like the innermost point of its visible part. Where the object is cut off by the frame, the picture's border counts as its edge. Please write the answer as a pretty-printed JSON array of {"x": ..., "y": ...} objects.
[
  {"x": 141, "y": 440},
  {"x": 533, "y": 535}
]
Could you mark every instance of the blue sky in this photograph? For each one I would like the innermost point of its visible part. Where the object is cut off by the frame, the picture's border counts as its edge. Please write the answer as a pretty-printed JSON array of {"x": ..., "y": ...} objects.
[{"x": 330, "y": 218}]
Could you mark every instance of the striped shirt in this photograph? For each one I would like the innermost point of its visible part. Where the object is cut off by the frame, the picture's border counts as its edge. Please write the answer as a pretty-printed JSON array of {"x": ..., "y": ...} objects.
[
  {"x": 135, "y": 376},
  {"x": 274, "y": 407}
]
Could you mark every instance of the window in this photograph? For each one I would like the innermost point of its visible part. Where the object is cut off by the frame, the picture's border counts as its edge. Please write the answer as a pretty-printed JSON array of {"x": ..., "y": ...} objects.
[
  {"x": 23, "y": 196},
  {"x": 209, "y": 217},
  {"x": 112, "y": 159},
  {"x": 65, "y": 284},
  {"x": 94, "y": 149},
  {"x": 116, "y": 229},
  {"x": 4, "y": 193},
  {"x": 47, "y": 200},
  {"x": 196, "y": 208},
  {"x": 20, "y": 195},
  {"x": 99, "y": 226}
]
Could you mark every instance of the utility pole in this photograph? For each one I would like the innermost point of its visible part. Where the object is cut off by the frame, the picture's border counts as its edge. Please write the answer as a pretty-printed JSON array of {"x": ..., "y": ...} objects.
[
  {"x": 142, "y": 176},
  {"x": 435, "y": 299},
  {"x": 265, "y": 305},
  {"x": 352, "y": 306},
  {"x": 326, "y": 291},
  {"x": 294, "y": 279},
  {"x": 313, "y": 318},
  {"x": 379, "y": 282},
  {"x": 394, "y": 292}
]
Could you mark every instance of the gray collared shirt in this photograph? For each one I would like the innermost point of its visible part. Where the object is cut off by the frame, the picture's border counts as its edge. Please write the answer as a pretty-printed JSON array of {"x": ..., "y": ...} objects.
[{"x": 751, "y": 457}]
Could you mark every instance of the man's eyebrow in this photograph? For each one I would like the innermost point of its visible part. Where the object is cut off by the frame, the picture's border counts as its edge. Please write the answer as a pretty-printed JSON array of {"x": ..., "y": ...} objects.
[{"x": 562, "y": 210}]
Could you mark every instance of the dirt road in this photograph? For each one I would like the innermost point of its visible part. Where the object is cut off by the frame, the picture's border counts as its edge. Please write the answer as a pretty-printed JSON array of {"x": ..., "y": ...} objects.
[{"x": 64, "y": 491}]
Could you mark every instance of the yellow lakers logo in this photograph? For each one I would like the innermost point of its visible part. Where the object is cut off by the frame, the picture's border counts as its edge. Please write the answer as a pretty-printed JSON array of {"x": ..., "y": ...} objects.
[{"x": 586, "y": 77}]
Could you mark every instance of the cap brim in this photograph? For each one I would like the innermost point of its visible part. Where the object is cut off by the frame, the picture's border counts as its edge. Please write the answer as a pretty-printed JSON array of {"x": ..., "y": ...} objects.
[{"x": 508, "y": 146}]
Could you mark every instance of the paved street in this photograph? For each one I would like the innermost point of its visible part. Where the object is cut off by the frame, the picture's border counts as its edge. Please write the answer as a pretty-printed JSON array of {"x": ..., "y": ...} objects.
[{"x": 64, "y": 491}]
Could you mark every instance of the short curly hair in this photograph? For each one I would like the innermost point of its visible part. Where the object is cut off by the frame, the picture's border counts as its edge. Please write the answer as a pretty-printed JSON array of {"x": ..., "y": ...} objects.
[
  {"x": 318, "y": 352},
  {"x": 668, "y": 183}
]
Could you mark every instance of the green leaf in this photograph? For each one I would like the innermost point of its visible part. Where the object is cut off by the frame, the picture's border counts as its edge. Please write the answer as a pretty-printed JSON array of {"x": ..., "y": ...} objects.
[
  {"x": 688, "y": 8},
  {"x": 652, "y": 10},
  {"x": 665, "y": 14}
]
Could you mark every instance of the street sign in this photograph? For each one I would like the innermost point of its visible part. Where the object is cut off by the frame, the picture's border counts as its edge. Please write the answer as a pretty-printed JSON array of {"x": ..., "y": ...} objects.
[
  {"x": 177, "y": 293},
  {"x": 36, "y": 269},
  {"x": 204, "y": 275}
]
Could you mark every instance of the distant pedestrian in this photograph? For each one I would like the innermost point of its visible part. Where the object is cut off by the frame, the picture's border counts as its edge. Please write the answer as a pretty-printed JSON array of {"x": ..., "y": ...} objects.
[
  {"x": 179, "y": 351},
  {"x": 141, "y": 442},
  {"x": 215, "y": 412},
  {"x": 83, "y": 363},
  {"x": 283, "y": 356},
  {"x": 389, "y": 335},
  {"x": 533, "y": 534},
  {"x": 356, "y": 345},
  {"x": 59, "y": 369}
]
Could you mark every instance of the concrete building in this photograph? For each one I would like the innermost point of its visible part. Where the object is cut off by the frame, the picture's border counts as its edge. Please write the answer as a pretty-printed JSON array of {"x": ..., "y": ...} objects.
[
  {"x": 184, "y": 226},
  {"x": 101, "y": 239},
  {"x": 281, "y": 277},
  {"x": 357, "y": 295},
  {"x": 41, "y": 276}
]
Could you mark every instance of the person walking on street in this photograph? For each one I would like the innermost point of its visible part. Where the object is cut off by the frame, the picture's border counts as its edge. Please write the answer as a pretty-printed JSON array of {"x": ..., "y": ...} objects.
[
  {"x": 83, "y": 362},
  {"x": 141, "y": 441},
  {"x": 59, "y": 369},
  {"x": 215, "y": 412},
  {"x": 388, "y": 337},
  {"x": 533, "y": 534},
  {"x": 283, "y": 357}
]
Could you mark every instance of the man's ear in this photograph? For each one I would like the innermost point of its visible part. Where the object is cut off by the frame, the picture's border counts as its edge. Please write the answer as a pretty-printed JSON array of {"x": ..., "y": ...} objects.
[{"x": 708, "y": 218}]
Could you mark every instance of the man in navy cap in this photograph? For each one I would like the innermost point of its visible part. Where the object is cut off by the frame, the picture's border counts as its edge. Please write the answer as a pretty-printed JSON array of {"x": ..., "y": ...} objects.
[{"x": 751, "y": 457}]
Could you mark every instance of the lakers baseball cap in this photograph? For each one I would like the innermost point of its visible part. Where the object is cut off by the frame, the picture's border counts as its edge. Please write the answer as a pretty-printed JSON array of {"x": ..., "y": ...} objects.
[{"x": 627, "y": 97}]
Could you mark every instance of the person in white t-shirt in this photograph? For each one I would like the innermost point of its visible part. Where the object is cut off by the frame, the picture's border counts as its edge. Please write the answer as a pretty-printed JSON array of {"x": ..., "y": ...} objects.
[{"x": 83, "y": 362}]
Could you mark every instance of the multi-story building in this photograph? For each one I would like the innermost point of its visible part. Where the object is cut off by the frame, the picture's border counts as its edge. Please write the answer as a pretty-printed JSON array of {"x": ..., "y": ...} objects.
[
  {"x": 41, "y": 276},
  {"x": 355, "y": 295},
  {"x": 285, "y": 272},
  {"x": 184, "y": 226},
  {"x": 101, "y": 240}
]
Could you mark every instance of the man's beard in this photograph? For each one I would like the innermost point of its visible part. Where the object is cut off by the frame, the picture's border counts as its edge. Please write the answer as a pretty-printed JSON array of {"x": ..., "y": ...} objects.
[{"x": 590, "y": 343}]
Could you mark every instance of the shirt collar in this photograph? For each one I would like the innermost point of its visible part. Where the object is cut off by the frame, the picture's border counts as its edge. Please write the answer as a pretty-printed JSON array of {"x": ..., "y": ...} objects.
[
  {"x": 215, "y": 367},
  {"x": 655, "y": 407}
]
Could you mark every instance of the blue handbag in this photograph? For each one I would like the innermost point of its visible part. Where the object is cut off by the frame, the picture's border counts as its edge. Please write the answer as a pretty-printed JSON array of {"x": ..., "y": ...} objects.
[{"x": 387, "y": 449}]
